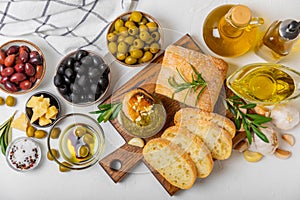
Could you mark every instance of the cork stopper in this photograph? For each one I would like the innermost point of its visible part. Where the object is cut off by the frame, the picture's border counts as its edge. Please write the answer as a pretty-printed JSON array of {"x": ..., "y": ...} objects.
[{"x": 241, "y": 15}]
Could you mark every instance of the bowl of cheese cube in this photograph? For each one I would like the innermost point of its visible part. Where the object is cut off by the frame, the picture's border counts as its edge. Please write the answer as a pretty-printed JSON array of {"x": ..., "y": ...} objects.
[{"x": 42, "y": 109}]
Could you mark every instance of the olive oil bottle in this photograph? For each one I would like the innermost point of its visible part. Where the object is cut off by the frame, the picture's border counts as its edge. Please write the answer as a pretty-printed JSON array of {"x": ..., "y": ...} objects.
[
  {"x": 279, "y": 40},
  {"x": 230, "y": 30},
  {"x": 265, "y": 83}
]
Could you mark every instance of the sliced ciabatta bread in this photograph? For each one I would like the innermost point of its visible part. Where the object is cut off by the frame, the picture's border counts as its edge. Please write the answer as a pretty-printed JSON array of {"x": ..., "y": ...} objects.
[
  {"x": 170, "y": 161},
  {"x": 196, "y": 114},
  {"x": 194, "y": 146},
  {"x": 217, "y": 139}
]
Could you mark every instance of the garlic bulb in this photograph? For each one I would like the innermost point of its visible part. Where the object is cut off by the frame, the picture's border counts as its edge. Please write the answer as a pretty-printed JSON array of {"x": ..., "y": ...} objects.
[
  {"x": 285, "y": 116},
  {"x": 262, "y": 147}
]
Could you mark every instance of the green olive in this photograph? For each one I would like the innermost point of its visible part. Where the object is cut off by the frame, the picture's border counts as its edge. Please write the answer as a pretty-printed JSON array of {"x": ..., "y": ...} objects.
[
  {"x": 122, "y": 47},
  {"x": 138, "y": 43},
  {"x": 136, "y": 16},
  {"x": 83, "y": 151},
  {"x": 152, "y": 26},
  {"x": 129, "y": 40},
  {"x": 143, "y": 27},
  {"x": 150, "y": 41},
  {"x": 137, "y": 53},
  {"x": 65, "y": 167},
  {"x": 145, "y": 36},
  {"x": 55, "y": 133},
  {"x": 112, "y": 37},
  {"x": 143, "y": 21},
  {"x": 10, "y": 101},
  {"x": 123, "y": 31},
  {"x": 30, "y": 131},
  {"x": 147, "y": 47},
  {"x": 146, "y": 57},
  {"x": 121, "y": 56},
  {"x": 133, "y": 30},
  {"x": 1, "y": 101},
  {"x": 130, "y": 60},
  {"x": 155, "y": 35},
  {"x": 121, "y": 38},
  {"x": 80, "y": 131},
  {"x": 55, "y": 154},
  {"x": 119, "y": 23},
  {"x": 112, "y": 47},
  {"x": 154, "y": 48},
  {"x": 40, "y": 134},
  {"x": 88, "y": 139},
  {"x": 129, "y": 24},
  {"x": 116, "y": 32}
]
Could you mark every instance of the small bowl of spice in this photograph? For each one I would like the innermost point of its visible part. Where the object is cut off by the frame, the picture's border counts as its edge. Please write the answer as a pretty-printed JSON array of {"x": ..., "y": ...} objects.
[{"x": 23, "y": 154}]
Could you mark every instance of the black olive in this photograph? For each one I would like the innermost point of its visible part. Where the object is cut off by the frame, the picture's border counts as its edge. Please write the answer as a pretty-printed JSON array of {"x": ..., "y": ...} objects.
[
  {"x": 67, "y": 97},
  {"x": 69, "y": 73},
  {"x": 97, "y": 61},
  {"x": 99, "y": 90},
  {"x": 70, "y": 62},
  {"x": 94, "y": 73},
  {"x": 61, "y": 69},
  {"x": 67, "y": 80},
  {"x": 103, "y": 82},
  {"x": 93, "y": 88},
  {"x": 80, "y": 54},
  {"x": 102, "y": 68},
  {"x": 77, "y": 66},
  {"x": 87, "y": 61},
  {"x": 63, "y": 89},
  {"x": 58, "y": 80},
  {"x": 82, "y": 81}
]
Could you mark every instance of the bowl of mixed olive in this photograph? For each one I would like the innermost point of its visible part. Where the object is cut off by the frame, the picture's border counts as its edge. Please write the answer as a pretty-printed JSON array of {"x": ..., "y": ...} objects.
[
  {"x": 134, "y": 38},
  {"x": 22, "y": 66},
  {"x": 75, "y": 142},
  {"x": 82, "y": 78}
]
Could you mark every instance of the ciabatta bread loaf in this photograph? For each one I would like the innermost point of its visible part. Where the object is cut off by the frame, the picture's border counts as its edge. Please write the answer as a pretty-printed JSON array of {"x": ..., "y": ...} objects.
[
  {"x": 194, "y": 146},
  {"x": 216, "y": 138},
  {"x": 180, "y": 59},
  {"x": 169, "y": 160}
]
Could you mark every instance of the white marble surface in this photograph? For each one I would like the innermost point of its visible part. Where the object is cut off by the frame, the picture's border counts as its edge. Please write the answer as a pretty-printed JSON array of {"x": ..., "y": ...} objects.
[{"x": 232, "y": 179}]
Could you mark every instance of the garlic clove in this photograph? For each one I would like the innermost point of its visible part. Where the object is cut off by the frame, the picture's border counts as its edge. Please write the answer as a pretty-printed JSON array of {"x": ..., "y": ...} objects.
[
  {"x": 285, "y": 116},
  {"x": 289, "y": 139},
  {"x": 251, "y": 156},
  {"x": 261, "y": 110},
  {"x": 282, "y": 154},
  {"x": 138, "y": 142}
]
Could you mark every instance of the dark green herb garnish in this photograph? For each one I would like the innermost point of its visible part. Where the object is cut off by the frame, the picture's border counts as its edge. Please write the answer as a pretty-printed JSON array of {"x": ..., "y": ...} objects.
[
  {"x": 107, "y": 111},
  {"x": 6, "y": 134},
  {"x": 250, "y": 122},
  {"x": 195, "y": 84}
]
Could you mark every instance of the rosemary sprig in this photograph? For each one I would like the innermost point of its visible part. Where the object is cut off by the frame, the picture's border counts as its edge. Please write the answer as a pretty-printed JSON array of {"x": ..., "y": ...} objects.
[
  {"x": 250, "y": 122},
  {"x": 196, "y": 83},
  {"x": 6, "y": 134},
  {"x": 107, "y": 111}
]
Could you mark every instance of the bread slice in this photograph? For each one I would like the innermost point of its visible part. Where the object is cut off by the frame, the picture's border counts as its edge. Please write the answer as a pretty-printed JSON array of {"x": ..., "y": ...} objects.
[
  {"x": 176, "y": 167},
  {"x": 213, "y": 71},
  {"x": 217, "y": 139},
  {"x": 201, "y": 116},
  {"x": 194, "y": 146}
]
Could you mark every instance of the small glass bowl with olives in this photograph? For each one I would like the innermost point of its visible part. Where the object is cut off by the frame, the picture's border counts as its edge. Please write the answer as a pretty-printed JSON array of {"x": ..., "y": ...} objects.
[
  {"x": 75, "y": 142},
  {"x": 82, "y": 78},
  {"x": 134, "y": 38},
  {"x": 22, "y": 66}
]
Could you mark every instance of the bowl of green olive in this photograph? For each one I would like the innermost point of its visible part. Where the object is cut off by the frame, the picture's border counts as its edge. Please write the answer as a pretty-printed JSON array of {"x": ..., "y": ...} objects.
[
  {"x": 75, "y": 142},
  {"x": 134, "y": 38}
]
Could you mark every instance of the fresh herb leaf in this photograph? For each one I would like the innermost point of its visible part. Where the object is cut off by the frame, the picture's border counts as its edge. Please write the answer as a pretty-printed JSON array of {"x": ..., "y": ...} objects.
[
  {"x": 5, "y": 134},
  {"x": 107, "y": 111},
  {"x": 196, "y": 83},
  {"x": 251, "y": 122}
]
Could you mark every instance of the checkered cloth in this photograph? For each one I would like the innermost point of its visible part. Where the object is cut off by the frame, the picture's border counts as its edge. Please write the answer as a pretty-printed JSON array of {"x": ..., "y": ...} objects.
[{"x": 65, "y": 24}]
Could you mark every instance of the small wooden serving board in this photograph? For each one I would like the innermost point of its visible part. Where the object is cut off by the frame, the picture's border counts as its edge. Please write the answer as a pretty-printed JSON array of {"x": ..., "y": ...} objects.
[{"x": 128, "y": 156}]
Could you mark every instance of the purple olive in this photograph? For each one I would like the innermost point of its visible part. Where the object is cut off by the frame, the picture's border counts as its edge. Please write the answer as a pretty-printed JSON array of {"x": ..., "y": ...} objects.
[{"x": 10, "y": 86}]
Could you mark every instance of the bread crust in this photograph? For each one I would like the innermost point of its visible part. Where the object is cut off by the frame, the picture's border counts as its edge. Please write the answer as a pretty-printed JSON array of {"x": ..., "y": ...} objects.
[
  {"x": 213, "y": 71},
  {"x": 165, "y": 150}
]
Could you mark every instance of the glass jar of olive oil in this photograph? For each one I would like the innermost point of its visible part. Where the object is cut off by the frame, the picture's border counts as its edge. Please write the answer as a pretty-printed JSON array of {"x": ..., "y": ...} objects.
[{"x": 265, "y": 83}]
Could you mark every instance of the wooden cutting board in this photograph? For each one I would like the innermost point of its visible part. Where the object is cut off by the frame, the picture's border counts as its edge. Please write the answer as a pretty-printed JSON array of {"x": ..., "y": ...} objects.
[{"x": 128, "y": 156}]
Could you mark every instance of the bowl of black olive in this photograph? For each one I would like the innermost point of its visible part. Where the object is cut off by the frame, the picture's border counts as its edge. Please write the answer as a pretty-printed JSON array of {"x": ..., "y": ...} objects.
[{"x": 82, "y": 78}]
